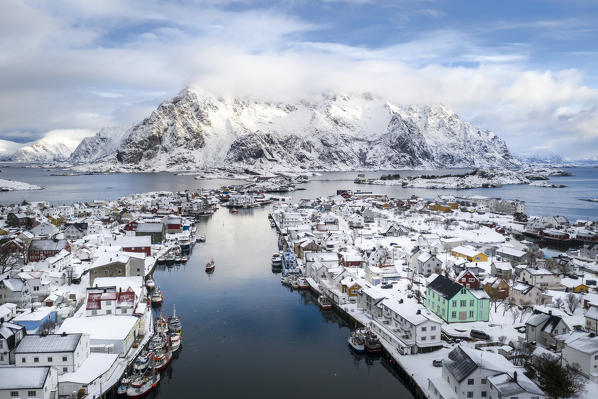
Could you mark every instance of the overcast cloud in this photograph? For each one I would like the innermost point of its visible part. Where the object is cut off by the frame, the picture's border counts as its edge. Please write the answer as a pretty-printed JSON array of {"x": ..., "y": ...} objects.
[{"x": 531, "y": 78}]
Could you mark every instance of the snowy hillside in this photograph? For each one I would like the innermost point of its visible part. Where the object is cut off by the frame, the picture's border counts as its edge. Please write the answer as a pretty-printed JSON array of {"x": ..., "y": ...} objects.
[
  {"x": 56, "y": 145},
  {"x": 196, "y": 130},
  {"x": 94, "y": 148}
]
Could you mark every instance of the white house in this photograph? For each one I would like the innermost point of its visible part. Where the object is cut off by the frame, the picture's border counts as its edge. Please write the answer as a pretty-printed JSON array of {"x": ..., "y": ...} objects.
[
  {"x": 10, "y": 336},
  {"x": 28, "y": 382},
  {"x": 428, "y": 263},
  {"x": 539, "y": 277},
  {"x": 44, "y": 230},
  {"x": 65, "y": 352},
  {"x": 545, "y": 329},
  {"x": 583, "y": 353}
]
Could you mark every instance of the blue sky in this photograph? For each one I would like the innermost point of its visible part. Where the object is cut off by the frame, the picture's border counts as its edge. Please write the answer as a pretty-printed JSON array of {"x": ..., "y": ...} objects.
[{"x": 527, "y": 70}]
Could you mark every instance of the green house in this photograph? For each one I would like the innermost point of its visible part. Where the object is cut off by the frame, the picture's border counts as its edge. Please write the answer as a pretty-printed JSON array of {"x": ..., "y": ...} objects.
[{"x": 456, "y": 304}]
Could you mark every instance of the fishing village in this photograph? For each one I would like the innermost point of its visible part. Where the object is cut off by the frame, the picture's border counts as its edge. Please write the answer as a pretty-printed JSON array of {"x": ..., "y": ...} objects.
[{"x": 427, "y": 284}]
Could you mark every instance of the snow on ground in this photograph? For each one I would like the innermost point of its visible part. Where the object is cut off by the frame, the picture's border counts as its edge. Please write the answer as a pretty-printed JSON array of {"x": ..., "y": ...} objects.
[{"x": 13, "y": 185}]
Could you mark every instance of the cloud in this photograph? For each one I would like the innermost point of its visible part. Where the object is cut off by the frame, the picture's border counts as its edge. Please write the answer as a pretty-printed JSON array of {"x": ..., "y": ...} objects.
[{"x": 84, "y": 65}]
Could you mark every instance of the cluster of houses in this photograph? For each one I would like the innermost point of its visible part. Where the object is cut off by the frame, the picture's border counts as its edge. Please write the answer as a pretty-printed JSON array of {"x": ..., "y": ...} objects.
[
  {"x": 73, "y": 302},
  {"x": 387, "y": 263}
]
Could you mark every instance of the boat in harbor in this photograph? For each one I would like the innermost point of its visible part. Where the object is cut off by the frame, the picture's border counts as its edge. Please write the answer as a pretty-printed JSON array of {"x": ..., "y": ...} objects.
[
  {"x": 142, "y": 362},
  {"x": 277, "y": 260},
  {"x": 157, "y": 342},
  {"x": 356, "y": 341},
  {"x": 157, "y": 298},
  {"x": 185, "y": 244},
  {"x": 161, "y": 359},
  {"x": 184, "y": 260},
  {"x": 372, "y": 343},
  {"x": 324, "y": 303},
  {"x": 210, "y": 266},
  {"x": 174, "y": 323},
  {"x": 124, "y": 385},
  {"x": 150, "y": 284},
  {"x": 143, "y": 385},
  {"x": 178, "y": 259},
  {"x": 174, "y": 341},
  {"x": 201, "y": 238},
  {"x": 161, "y": 325},
  {"x": 302, "y": 284},
  {"x": 161, "y": 261}
]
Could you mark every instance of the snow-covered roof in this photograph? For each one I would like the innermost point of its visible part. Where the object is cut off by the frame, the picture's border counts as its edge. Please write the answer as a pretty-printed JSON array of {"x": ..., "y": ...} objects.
[
  {"x": 93, "y": 367},
  {"x": 105, "y": 327},
  {"x": 587, "y": 344},
  {"x": 51, "y": 343},
  {"x": 23, "y": 377}
]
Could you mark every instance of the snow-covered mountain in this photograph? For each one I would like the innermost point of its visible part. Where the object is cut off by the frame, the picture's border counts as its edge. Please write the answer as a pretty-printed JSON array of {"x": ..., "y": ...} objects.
[
  {"x": 43, "y": 151},
  {"x": 8, "y": 148},
  {"x": 103, "y": 144},
  {"x": 196, "y": 130},
  {"x": 541, "y": 158}
]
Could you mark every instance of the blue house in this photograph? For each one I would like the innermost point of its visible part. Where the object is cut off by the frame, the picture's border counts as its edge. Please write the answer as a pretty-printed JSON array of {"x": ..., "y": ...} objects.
[{"x": 35, "y": 321}]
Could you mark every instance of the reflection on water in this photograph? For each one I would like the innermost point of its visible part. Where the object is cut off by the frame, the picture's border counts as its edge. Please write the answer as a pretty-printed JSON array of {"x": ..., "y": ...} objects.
[{"x": 245, "y": 334}]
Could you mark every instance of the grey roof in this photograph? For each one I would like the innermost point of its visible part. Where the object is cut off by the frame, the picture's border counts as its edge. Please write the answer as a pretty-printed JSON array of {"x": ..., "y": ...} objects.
[
  {"x": 445, "y": 287},
  {"x": 23, "y": 377},
  {"x": 461, "y": 364},
  {"x": 149, "y": 227},
  {"x": 52, "y": 343},
  {"x": 7, "y": 329},
  {"x": 48, "y": 245}
]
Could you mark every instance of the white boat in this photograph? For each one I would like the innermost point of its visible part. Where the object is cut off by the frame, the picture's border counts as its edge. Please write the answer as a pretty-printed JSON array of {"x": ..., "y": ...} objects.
[
  {"x": 277, "y": 260},
  {"x": 175, "y": 342},
  {"x": 157, "y": 297},
  {"x": 210, "y": 266},
  {"x": 141, "y": 386},
  {"x": 324, "y": 303},
  {"x": 302, "y": 284},
  {"x": 201, "y": 238},
  {"x": 356, "y": 341},
  {"x": 150, "y": 284}
]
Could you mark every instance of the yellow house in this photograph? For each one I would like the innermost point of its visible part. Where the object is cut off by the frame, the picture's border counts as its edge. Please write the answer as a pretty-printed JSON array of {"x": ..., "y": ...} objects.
[
  {"x": 469, "y": 253},
  {"x": 56, "y": 221},
  {"x": 350, "y": 287},
  {"x": 439, "y": 207},
  {"x": 581, "y": 288},
  {"x": 3, "y": 232}
]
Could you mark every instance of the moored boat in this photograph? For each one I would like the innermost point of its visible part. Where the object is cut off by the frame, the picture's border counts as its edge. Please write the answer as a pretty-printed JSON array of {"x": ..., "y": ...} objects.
[
  {"x": 277, "y": 260},
  {"x": 210, "y": 266},
  {"x": 372, "y": 343},
  {"x": 184, "y": 259},
  {"x": 174, "y": 341},
  {"x": 324, "y": 303},
  {"x": 142, "y": 362},
  {"x": 150, "y": 284},
  {"x": 143, "y": 385},
  {"x": 170, "y": 259},
  {"x": 157, "y": 298},
  {"x": 356, "y": 341},
  {"x": 302, "y": 284},
  {"x": 161, "y": 359},
  {"x": 201, "y": 238}
]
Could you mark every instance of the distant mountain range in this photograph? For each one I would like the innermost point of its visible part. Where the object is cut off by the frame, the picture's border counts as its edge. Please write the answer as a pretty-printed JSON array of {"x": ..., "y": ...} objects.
[{"x": 197, "y": 130}]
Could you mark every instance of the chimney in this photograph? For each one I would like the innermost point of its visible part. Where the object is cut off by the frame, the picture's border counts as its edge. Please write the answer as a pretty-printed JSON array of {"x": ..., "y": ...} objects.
[
  {"x": 514, "y": 376},
  {"x": 550, "y": 312},
  {"x": 64, "y": 333},
  {"x": 418, "y": 311}
]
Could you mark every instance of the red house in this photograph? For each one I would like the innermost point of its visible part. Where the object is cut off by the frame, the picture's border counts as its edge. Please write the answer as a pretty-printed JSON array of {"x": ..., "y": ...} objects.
[
  {"x": 469, "y": 280},
  {"x": 131, "y": 226}
]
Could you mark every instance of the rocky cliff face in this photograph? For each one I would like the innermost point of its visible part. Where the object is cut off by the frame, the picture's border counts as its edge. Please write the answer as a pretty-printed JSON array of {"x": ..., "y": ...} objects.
[
  {"x": 197, "y": 130},
  {"x": 94, "y": 148}
]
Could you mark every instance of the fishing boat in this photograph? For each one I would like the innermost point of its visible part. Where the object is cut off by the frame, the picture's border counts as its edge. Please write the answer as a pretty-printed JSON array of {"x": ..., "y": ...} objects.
[
  {"x": 174, "y": 323},
  {"x": 235, "y": 211},
  {"x": 142, "y": 362},
  {"x": 174, "y": 340},
  {"x": 122, "y": 388},
  {"x": 157, "y": 297},
  {"x": 201, "y": 238},
  {"x": 161, "y": 325},
  {"x": 161, "y": 359},
  {"x": 295, "y": 284},
  {"x": 277, "y": 260},
  {"x": 185, "y": 244},
  {"x": 161, "y": 261},
  {"x": 150, "y": 284},
  {"x": 372, "y": 343},
  {"x": 324, "y": 303},
  {"x": 356, "y": 341},
  {"x": 157, "y": 342},
  {"x": 143, "y": 385},
  {"x": 184, "y": 259},
  {"x": 210, "y": 266},
  {"x": 302, "y": 284},
  {"x": 286, "y": 280},
  {"x": 178, "y": 259}
]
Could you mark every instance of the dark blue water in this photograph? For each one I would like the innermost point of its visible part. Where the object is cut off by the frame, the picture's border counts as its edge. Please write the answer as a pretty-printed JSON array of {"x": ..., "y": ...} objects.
[
  {"x": 246, "y": 335},
  {"x": 65, "y": 189}
]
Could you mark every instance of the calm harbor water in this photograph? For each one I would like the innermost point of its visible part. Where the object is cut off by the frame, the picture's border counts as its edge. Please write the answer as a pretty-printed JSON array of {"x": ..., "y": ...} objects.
[{"x": 244, "y": 334}]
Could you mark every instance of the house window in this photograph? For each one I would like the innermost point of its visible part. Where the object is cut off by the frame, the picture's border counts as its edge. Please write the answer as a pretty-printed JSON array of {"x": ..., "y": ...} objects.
[
  {"x": 36, "y": 360},
  {"x": 64, "y": 358},
  {"x": 463, "y": 304},
  {"x": 31, "y": 393},
  {"x": 64, "y": 369},
  {"x": 108, "y": 303},
  {"x": 433, "y": 328},
  {"x": 23, "y": 360},
  {"x": 423, "y": 338},
  {"x": 423, "y": 328},
  {"x": 471, "y": 313},
  {"x": 484, "y": 380},
  {"x": 14, "y": 394},
  {"x": 94, "y": 312},
  {"x": 49, "y": 359},
  {"x": 454, "y": 303},
  {"x": 453, "y": 314},
  {"x": 470, "y": 394},
  {"x": 109, "y": 311},
  {"x": 484, "y": 393},
  {"x": 36, "y": 288},
  {"x": 123, "y": 311},
  {"x": 471, "y": 303},
  {"x": 433, "y": 337},
  {"x": 470, "y": 381}
]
